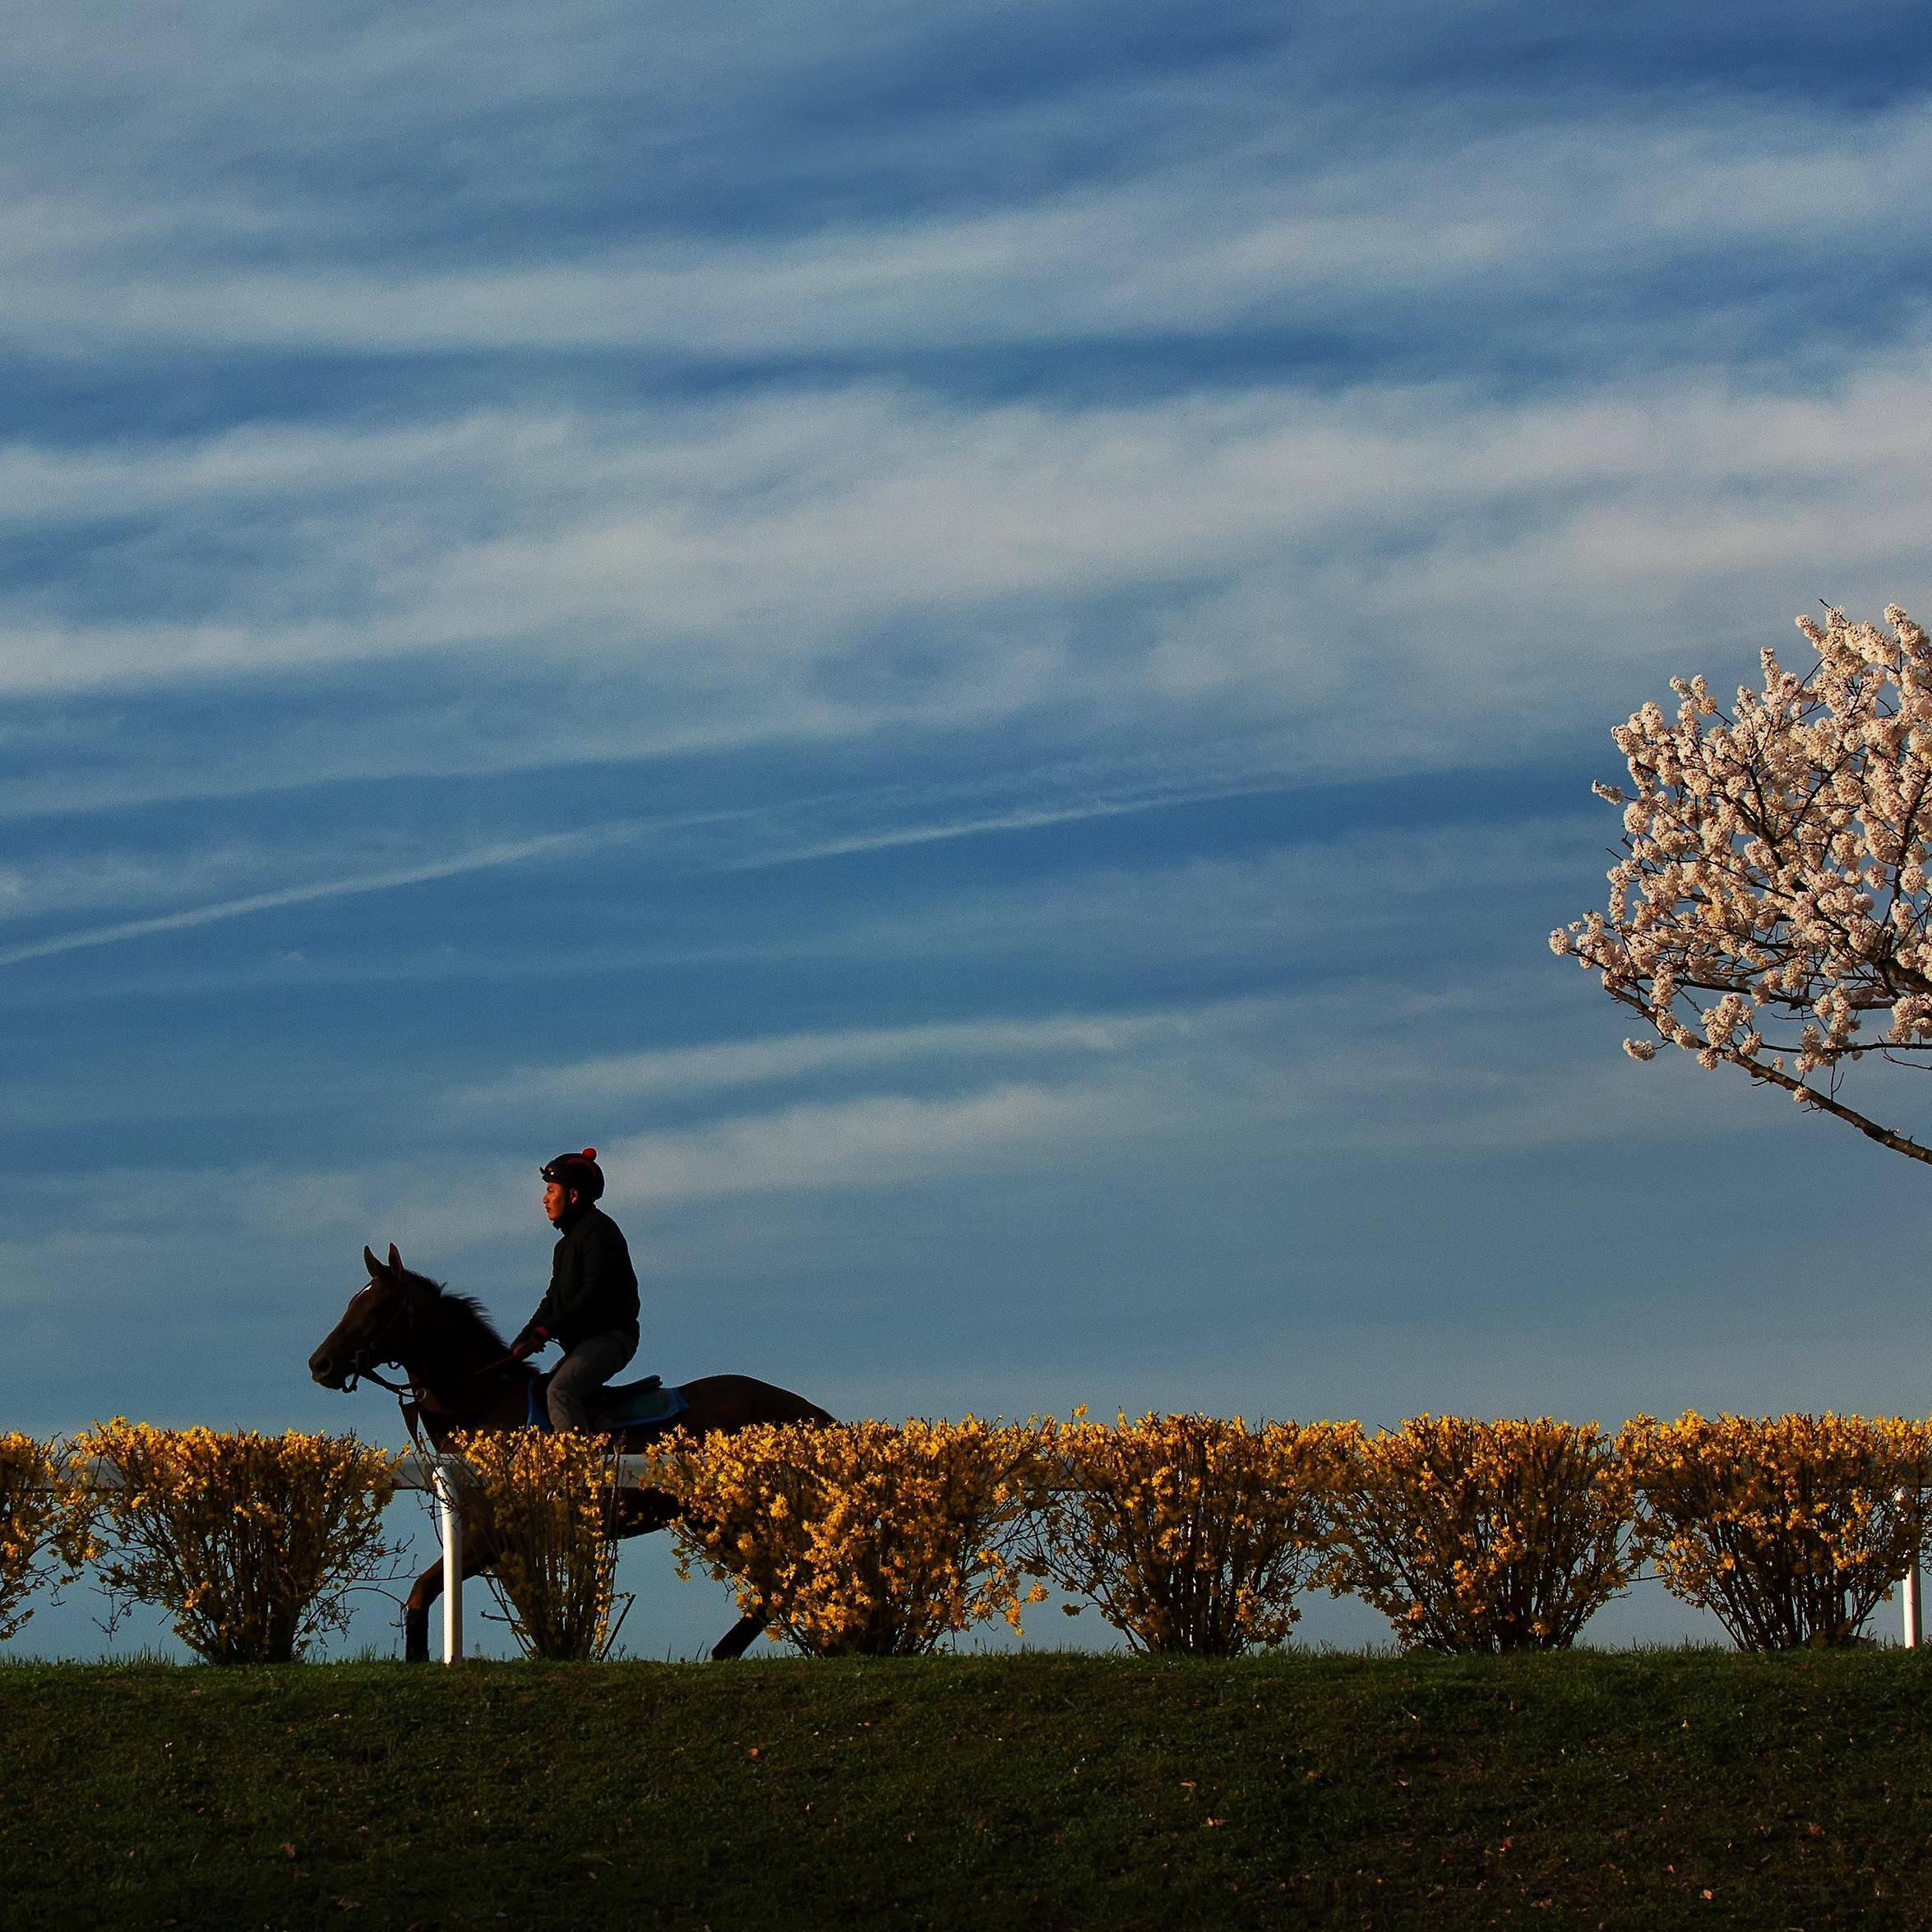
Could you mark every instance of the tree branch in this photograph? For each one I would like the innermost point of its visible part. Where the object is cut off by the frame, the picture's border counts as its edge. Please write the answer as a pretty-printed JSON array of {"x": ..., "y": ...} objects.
[{"x": 1885, "y": 1136}]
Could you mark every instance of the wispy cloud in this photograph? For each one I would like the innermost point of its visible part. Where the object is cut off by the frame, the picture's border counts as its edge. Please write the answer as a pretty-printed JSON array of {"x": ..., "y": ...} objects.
[
  {"x": 610, "y": 1080},
  {"x": 1287, "y": 221},
  {"x": 874, "y": 1141},
  {"x": 1411, "y": 898},
  {"x": 901, "y": 563},
  {"x": 1399, "y": 1076},
  {"x": 1404, "y": 1076}
]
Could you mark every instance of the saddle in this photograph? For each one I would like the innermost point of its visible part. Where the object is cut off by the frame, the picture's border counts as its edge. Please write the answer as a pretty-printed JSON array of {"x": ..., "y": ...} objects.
[{"x": 648, "y": 1404}]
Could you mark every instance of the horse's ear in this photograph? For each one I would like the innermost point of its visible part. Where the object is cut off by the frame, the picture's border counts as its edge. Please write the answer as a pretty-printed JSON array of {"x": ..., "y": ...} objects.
[
  {"x": 395, "y": 1260},
  {"x": 376, "y": 1268}
]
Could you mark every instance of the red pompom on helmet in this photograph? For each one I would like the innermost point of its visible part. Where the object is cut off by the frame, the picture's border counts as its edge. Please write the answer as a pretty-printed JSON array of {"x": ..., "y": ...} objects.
[{"x": 579, "y": 1170}]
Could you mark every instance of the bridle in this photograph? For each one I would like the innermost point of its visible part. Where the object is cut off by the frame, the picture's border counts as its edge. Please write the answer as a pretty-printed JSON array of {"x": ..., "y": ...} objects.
[
  {"x": 362, "y": 1364},
  {"x": 409, "y": 1394}
]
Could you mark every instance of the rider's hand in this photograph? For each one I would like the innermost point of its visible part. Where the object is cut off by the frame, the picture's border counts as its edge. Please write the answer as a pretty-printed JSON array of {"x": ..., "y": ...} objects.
[{"x": 525, "y": 1346}]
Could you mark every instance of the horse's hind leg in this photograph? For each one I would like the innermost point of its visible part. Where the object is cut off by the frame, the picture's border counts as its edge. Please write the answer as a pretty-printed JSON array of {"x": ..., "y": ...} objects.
[{"x": 738, "y": 1640}]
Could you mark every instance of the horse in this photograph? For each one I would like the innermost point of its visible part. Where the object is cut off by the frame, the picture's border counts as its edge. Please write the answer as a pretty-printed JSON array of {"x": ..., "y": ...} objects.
[{"x": 458, "y": 1374}]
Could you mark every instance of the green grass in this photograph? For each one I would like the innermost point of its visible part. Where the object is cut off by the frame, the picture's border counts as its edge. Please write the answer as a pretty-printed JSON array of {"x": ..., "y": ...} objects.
[{"x": 1633, "y": 1790}]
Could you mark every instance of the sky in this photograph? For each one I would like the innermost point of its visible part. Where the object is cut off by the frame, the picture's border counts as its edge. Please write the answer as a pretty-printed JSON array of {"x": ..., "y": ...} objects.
[{"x": 973, "y": 640}]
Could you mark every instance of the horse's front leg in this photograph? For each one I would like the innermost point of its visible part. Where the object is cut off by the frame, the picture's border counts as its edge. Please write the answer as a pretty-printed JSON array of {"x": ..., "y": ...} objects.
[
  {"x": 416, "y": 1607},
  {"x": 478, "y": 1556}
]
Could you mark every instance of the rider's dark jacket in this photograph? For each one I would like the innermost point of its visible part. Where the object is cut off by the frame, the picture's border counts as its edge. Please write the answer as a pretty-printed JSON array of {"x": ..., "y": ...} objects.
[{"x": 593, "y": 1287}]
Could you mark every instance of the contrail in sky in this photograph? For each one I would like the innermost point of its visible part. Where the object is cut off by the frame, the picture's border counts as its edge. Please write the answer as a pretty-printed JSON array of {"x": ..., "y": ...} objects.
[
  {"x": 514, "y": 851},
  {"x": 480, "y": 860}
]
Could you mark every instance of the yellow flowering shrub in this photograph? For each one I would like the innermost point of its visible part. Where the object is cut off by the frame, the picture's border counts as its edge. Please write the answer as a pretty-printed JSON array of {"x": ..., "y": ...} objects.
[
  {"x": 1485, "y": 1535},
  {"x": 552, "y": 1502},
  {"x": 42, "y": 1533},
  {"x": 1789, "y": 1528},
  {"x": 249, "y": 1540},
  {"x": 860, "y": 1538},
  {"x": 1189, "y": 1533}
]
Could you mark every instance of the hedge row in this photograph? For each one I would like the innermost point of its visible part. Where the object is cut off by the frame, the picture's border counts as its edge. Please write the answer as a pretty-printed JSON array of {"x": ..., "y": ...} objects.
[{"x": 1188, "y": 1533}]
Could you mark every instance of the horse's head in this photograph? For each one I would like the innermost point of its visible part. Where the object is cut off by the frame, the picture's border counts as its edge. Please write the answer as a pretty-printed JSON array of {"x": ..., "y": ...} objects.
[{"x": 374, "y": 1327}]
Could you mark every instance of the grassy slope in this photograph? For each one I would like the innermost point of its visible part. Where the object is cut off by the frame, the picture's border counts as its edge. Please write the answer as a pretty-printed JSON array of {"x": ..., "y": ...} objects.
[{"x": 1614, "y": 1789}]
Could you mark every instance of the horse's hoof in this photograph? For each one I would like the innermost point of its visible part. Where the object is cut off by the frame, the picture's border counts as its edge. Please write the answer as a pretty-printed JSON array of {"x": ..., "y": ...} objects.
[{"x": 416, "y": 1637}]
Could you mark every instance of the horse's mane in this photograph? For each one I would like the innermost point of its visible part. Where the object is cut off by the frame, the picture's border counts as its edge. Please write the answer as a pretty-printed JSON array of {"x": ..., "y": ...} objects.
[{"x": 463, "y": 1311}]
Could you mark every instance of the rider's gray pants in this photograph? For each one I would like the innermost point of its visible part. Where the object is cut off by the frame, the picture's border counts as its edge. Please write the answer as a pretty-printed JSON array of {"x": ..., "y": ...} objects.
[{"x": 578, "y": 1377}]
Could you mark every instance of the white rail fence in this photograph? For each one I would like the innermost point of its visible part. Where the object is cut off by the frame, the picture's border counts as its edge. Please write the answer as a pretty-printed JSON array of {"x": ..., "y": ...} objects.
[{"x": 444, "y": 1478}]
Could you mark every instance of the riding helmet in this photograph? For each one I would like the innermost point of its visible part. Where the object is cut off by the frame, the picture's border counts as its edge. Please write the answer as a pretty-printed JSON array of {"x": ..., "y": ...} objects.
[{"x": 579, "y": 1170}]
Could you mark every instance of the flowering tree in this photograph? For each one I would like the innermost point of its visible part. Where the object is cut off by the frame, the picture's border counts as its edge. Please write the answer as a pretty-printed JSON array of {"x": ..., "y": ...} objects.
[
  {"x": 1485, "y": 1535},
  {"x": 251, "y": 1541},
  {"x": 1773, "y": 875},
  {"x": 1789, "y": 1528},
  {"x": 860, "y": 1539},
  {"x": 1189, "y": 1533}
]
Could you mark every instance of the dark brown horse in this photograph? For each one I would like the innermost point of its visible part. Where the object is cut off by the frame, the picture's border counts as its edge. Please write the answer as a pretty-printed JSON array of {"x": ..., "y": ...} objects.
[{"x": 458, "y": 1374}]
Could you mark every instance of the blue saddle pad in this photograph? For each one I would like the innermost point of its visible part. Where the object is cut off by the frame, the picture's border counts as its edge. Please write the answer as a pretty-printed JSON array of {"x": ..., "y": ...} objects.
[
  {"x": 624, "y": 1405},
  {"x": 634, "y": 1405}
]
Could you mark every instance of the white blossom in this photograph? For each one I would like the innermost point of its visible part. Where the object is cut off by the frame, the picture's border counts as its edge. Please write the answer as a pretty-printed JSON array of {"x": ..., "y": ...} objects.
[{"x": 1775, "y": 865}]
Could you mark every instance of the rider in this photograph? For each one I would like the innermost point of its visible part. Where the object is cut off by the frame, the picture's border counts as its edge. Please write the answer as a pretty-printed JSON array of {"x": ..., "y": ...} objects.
[{"x": 590, "y": 1307}]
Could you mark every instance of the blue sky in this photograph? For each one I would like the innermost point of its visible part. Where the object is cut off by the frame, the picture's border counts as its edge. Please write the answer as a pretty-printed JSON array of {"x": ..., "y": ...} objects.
[{"x": 973, "y": 640}]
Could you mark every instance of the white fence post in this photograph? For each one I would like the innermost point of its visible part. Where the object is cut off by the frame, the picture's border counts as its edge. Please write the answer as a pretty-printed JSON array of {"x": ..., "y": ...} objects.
[
  {"x": 1910, "y": 1591},
  {"x": 449, "y": 1510}
]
